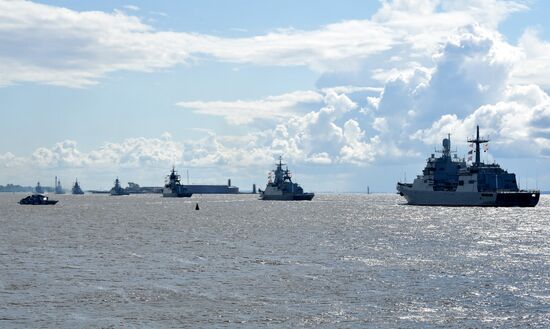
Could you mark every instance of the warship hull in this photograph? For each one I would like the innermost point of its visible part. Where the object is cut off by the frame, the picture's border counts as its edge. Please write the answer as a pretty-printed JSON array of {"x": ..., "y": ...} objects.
[
  {"x": 118, "y": 193},
  {"x": 169, "y": 193},
  {"x": 467, "y": 199},
  {"x": 212, "y": 189},
  {"x": 288, "y": 197}
]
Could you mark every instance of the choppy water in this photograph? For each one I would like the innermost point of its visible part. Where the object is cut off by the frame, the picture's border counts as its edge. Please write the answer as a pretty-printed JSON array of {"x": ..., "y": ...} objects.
[{"x": 341, "y": 261}]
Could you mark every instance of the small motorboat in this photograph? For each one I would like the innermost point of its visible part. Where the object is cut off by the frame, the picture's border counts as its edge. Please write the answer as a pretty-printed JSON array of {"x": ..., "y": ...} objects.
[{"x": 37, "y": 199}]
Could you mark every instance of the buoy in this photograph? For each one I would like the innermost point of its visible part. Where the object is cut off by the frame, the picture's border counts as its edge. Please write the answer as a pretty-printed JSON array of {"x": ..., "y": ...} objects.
[{"x": 197, "y": 207}]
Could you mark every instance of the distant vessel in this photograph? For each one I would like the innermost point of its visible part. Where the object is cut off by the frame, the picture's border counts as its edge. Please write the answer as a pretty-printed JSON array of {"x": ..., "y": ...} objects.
[
  {"x": 38, "y": 189},
  {"x": 76, "y": 188},
  {"x": 449, "y": 181},
  {"x": 117, "y": 189},
  {"x": 37, "y": 199},
  {"x": 173, "y": 187},
  {"x": 282, "y": 188},
  {"x": 212, "y": 189},
  {"x": 58, "y": 188},
  {"x": 134, "y": 188}
]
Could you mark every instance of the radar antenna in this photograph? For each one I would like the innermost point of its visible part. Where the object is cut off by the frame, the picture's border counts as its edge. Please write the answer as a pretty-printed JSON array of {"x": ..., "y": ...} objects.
[
  {"x": 446, "y": 151},
  {"x": 478, "y": 141}
]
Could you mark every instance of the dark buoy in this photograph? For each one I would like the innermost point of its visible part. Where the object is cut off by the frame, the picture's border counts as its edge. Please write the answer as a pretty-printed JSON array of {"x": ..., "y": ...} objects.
[{"x": 197, "y": 207}]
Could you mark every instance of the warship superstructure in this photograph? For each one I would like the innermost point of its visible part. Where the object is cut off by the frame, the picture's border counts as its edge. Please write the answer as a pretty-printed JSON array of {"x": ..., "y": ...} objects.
[
  {"x": 76, "y": 188},
  {"x": 450, "y": 181},
  {"x": 38, "y": 189},
  {"x": 117, "y": 189},
  {"x": 58, "y": 188},
  {"x": 280, "y": 186},
  {"x": 173, "y": 188}
]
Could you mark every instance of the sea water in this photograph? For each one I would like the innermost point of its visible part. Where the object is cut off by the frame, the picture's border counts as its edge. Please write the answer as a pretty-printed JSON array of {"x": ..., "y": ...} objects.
[{"x": 339, "y": 261}]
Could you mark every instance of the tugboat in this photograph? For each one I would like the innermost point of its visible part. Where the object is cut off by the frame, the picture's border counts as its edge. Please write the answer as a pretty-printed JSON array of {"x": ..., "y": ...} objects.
[
  {"x": 282, "y": 188},
  {"x": 37, "y": 199},
  {"x": 449, "y": 181},
  {"x": 76, "y": 188},
  {"x": 117, "y": 189},
  {"x": 38, "y": 189},
  {"x": 58, "y": 188},
  {"x": 173, "y": 188}
]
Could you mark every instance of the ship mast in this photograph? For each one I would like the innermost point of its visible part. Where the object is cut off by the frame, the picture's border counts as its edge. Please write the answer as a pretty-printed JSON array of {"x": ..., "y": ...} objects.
[{"x": 477, "y": 141}]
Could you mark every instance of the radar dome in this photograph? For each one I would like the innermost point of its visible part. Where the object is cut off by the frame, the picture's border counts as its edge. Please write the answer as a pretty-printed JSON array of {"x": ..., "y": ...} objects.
[{"x": 446, "y": 143}]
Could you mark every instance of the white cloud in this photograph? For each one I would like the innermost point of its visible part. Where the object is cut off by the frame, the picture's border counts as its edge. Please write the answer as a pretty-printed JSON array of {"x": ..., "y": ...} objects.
[
  {"x": 132, "y": 7},
  {"x": 535, "y": 64},
  {"x": 322, "y": 136},
  {"x": 9, "y": 160},
  {"x": 471, "y": 84},
  {"x": 158, "y": 13},
  {"x": 414, "y": 109},
  {"x": 322, "y": 158},
  {"x": 355, "y": 150},
  {"x": 246, "y": 111},
  {"x": 443, "y": 66},
  {"x": 131, "y": 153},
  {"x": 53, "y": 45}
]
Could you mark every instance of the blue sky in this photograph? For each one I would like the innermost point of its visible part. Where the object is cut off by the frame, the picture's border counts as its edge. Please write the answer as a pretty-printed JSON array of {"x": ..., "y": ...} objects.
[{"x": 352, "y": 93}]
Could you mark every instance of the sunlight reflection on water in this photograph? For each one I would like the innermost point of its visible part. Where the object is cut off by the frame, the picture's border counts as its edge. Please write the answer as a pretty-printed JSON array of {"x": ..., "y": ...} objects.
[{"x": 338, "y": 261}]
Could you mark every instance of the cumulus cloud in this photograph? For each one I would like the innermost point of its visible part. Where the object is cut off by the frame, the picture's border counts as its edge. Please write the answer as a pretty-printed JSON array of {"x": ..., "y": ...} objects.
[
  {"x": 322, "y": 136},
  {"x": 130, "y": 153},
  {"x": 471, "y": 84},
  {"x": 9, "y": 160},
  {"x": 517, "y": 125},
  {"x": 535, "y": 64}
]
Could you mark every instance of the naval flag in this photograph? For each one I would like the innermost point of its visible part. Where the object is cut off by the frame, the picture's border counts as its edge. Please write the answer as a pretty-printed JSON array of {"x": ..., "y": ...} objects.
[
  {"x": 485, "y": 147},
  {"x": 470, "y": 151}
]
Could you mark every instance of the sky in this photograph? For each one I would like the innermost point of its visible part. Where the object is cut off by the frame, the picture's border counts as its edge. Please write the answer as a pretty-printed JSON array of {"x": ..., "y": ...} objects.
[{"x": 351, "y": 93}]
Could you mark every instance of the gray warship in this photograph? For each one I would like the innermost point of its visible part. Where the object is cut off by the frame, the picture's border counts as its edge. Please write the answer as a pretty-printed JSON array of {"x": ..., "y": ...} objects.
[
  {"x": 38, "y": 189},
  {"x": 117, "y": 189},
  {"x": 449, "y": 181},
  {"x": 282, "y": 187},
  {"x": 173, "y": 188},
  {"x": 76, "y": 188},
  {"x": 58, "y": 188}
]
